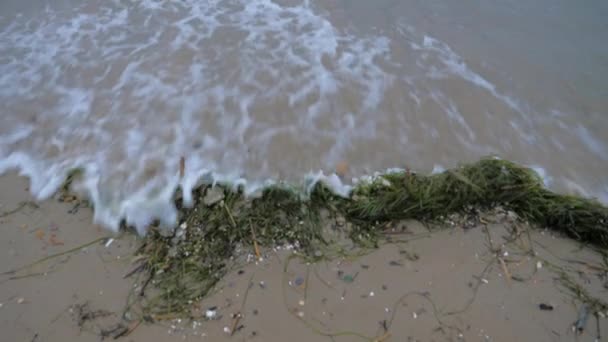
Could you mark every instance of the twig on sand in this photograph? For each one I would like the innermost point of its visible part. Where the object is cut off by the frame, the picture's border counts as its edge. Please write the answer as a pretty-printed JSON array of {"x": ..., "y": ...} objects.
[
  {"x": 142, "y": 291},
  {"x": 427, "y": 297},
  {"x": 53, "y": 256},
  {"x": 497, "y": 251},
  {"x": 29, "y": 275},
  {"x": 306, "y": 282},
  {"x": 128, "y": 330},
  {"x": 383, "y": 338},
  {"x": 19, "y": 207},
  {"x": 235, "y": 322},
  {"x": 258, "y": 255},
  {"x": 138, "y": 268},
  {"x": 475, "y": 289},
  {"x": 309, "y": 325},
  {"x": 505, "y": 270},
  {"x": 323, "y": 281},
  {"x": 238, "y": 316}
]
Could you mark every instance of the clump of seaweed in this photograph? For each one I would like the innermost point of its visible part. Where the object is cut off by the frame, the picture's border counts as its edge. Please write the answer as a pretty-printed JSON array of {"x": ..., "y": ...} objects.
[{"x": 182, "y": 268}]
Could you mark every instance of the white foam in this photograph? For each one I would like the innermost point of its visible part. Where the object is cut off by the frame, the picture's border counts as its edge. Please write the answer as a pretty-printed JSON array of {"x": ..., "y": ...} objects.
[
  {"x": 542, "y": 173},
  {"x": 454, "y": 64},
  {"x": 124, "y": 89},
  {"x": 437, "y": 169},
  {"x": 596, "y": 146}
]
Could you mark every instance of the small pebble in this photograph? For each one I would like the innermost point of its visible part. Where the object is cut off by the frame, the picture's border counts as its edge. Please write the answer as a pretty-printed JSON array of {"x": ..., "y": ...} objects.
[
  {"x": 301, "y": 302},
  {"x": 299, "y": 281},
  {"x": 539, "y": 265},
  {"x": 485, "y": 281},
  {"x": 226, "y": 330},
  {"x": 415, "y": 315},
  {"x": 371, "y": 294},
  {"x": 20, "y": 300},
  {"x": 300, "y": 314}
]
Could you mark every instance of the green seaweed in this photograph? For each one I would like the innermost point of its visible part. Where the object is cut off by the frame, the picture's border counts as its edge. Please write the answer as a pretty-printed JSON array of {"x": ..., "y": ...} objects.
[{"x": 185, "y": 266}]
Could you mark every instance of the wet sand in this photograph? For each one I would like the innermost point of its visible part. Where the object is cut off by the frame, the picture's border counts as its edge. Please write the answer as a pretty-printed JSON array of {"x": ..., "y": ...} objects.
[{"x": 443, "y": 285}]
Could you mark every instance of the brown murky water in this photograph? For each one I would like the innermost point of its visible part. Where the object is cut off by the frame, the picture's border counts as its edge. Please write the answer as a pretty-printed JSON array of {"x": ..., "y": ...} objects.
[{"x": 251, "y": 91}]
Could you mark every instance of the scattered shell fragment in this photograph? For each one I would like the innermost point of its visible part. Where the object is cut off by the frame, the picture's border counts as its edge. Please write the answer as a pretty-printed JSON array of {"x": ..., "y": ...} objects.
[
  {"x": 301, "y": 302},
  {"x": 20, "y": 300},
  {"x": 484, "y": 280},
  {"x": 211, "y": 313},
  {"x": 539, "y": 265},
  {"x": 226, "y": 330}
]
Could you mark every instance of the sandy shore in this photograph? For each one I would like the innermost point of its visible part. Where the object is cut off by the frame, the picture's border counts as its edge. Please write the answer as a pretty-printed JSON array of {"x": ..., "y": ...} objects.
[{"x": 447, "y": 285}]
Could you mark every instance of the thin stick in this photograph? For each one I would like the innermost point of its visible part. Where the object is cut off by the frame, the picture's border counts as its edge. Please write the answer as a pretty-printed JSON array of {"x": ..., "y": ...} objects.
[
  {"x": 306, "y": 282},
  {"x": 505, "y": 270},
  {"x": 235, "y": 322},
  {"x": 182, "y": 166},
  {"x": 305, "y": 322},
  {"x": 19, "y": 207},
  {"x": 475, "y": 289},
  {"x": 128, "y": 331},
  {"x": 255, "y": 242},
  {"x": 239, "y": 315},
  {"x": 135, "y": 270},
  {"x": 384, "y": 337},
  {"x": 229, "y": 215},
  {"x": 75, "y": 249}
]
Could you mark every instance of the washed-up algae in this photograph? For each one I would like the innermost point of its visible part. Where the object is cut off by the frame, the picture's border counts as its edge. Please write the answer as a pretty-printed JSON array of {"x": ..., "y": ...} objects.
[{"x": 182, "y": 268}]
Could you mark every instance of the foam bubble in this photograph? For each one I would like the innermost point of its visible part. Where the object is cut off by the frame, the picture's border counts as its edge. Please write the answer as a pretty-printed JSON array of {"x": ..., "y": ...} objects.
[{"x": 248, "y": 92}]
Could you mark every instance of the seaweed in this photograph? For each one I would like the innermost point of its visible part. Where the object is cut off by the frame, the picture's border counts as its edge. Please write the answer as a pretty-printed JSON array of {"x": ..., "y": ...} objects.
[{"x": 184, "y": 267}]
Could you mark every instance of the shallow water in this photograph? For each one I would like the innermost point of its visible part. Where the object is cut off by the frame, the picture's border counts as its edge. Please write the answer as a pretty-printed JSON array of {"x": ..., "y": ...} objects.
[{"x": 258, "y": 90}]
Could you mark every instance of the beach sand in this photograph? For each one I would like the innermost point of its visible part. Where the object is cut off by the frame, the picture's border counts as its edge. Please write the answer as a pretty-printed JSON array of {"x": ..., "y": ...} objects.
[{"x": 444, "y": 285}]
